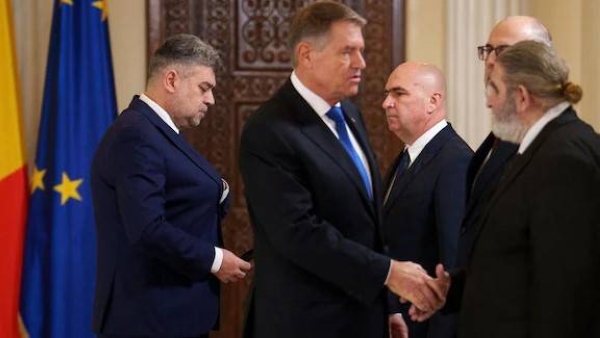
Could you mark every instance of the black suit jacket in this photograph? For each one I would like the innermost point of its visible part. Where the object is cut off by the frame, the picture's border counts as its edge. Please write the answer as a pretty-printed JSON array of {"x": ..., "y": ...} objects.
[
  {"x": 535, "y": 265},
  {"x": 422, "y": 217},
  {"x": 482, "y": 178},
  {"x": 318, "y": 270}
]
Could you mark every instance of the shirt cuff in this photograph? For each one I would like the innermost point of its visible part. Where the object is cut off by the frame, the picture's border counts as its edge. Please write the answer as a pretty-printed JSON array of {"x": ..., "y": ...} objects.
[
  {"x": 216, "y": 265},
  {"x": 387, "y": 279},
  {"x": 225, "y": 191}
]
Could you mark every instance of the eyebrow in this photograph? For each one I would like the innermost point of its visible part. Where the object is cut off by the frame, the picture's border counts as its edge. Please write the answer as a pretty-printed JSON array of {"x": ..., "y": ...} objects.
[
  {"x": 206, "y": 83},
  {"x": 397, "y": 90}
]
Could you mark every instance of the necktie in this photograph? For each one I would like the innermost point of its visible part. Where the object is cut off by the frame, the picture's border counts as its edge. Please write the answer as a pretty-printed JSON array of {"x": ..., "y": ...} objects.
[
  {"x": 402, "y": 164},
  {"x": 400, "y": 169},
  {"x": 336, "y": 114}
]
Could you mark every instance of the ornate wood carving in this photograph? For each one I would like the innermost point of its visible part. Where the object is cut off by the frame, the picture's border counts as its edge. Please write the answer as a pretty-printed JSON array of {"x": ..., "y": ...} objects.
[{"x": 251, "y": 36}]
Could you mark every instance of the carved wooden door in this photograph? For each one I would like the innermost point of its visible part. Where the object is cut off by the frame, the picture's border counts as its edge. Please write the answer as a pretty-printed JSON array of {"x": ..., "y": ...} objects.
[{"x": 251, "y": 36}]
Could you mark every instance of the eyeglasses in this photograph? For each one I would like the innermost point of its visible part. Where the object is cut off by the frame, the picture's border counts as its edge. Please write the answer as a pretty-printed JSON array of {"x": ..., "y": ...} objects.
[{"x": 483, "y": 52}]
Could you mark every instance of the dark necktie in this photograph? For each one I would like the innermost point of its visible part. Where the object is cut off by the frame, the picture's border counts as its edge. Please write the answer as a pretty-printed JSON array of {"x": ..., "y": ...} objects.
[
  {"x": 402, "y": 164},
  {"x": 400, "y": 170},
  {"x": 336, "y": 114}
]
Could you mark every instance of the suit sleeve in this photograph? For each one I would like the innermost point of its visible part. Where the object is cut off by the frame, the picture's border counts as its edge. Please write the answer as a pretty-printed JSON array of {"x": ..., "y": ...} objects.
[
  {"x": 282, "y": 206},
  {"x": 564, "y": 206},
  {"x": 140, "y": 187}
]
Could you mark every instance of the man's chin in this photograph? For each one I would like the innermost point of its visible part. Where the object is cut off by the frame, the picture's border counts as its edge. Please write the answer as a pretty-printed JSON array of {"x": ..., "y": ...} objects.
[{"x": 509, "y": 132}]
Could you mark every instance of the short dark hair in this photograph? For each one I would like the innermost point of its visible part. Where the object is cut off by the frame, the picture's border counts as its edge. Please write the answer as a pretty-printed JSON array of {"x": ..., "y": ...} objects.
[
  {"x": 537, "y": 67},
  {"x": 183, "y": 49},
  {"x": 315, "y": 20}
]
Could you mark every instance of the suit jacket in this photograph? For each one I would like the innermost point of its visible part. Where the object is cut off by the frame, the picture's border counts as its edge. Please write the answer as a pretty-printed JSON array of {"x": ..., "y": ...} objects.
[
  {"x": 422, "y": 217},
  {"x": 156, "y": 202},
  {"x": 536, "y": 260},
  {"x": 318, "y": 270},
  {"x": 482, "y": 178}
]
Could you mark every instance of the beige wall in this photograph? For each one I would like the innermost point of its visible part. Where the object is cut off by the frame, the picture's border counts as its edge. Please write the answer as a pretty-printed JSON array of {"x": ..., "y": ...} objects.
[
  {"x": 425, "y": 34},
  {"x": 32, "y": 20},
  {"x": 128, "y": 43},
  {"x": 574, "y": 26}
]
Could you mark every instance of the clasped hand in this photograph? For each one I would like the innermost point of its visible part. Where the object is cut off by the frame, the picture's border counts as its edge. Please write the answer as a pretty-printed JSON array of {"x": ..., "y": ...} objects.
[{"x": 412, "y": 284}]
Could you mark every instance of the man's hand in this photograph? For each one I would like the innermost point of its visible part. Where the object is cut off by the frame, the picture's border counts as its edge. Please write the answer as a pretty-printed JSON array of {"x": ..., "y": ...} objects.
[
  {"x": 411, "y": 282},
  {"x": 398, "y": 327},
  {"x": 441, "y": 283},
  {"x": 232, "y": 268}
]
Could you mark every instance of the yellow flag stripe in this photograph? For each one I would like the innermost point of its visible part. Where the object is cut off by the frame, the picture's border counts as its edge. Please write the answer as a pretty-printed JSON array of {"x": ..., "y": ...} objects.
[{"x": 12, "y": 149}]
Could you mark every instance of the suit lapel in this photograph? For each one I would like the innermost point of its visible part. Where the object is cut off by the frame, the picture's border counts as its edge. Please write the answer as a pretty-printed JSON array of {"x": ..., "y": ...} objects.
[
  {"x": 427, "y": 154},
  {"x": 177, "y": 140},
  {"x": 519, "y": 163},
  {"x": 317, "y": 132}
]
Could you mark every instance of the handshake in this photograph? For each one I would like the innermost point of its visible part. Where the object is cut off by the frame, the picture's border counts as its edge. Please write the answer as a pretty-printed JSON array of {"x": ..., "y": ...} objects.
[{"x": 412, "y": 284}]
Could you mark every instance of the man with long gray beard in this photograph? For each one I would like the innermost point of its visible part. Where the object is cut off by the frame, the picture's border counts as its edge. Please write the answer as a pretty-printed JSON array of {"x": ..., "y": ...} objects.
[{"x": 536, "y": 256}]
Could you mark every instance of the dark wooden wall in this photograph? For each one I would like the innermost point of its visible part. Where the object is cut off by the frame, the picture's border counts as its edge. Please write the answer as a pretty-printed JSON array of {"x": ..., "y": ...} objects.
[{"x": 251, "y": 36}]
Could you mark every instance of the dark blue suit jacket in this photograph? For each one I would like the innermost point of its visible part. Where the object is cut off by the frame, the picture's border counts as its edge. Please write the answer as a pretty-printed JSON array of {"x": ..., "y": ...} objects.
[
  {"x": 422, "y": 217},
  {"x": 156, "y": 202}
]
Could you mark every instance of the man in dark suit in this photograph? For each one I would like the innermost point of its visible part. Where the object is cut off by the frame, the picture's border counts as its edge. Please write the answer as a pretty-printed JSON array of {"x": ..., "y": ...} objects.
[
  {"x": 535, "y": 265},
  {"x": 425, "y": 196},
  {"x": 158, "y": 206},
  {"x": 314, "y": 197}
]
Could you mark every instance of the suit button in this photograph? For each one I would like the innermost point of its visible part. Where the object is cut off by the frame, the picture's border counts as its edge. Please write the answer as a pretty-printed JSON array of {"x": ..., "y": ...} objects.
[
  {"x": 386, "y": 248},
  {"x": 463, "y": 230}
]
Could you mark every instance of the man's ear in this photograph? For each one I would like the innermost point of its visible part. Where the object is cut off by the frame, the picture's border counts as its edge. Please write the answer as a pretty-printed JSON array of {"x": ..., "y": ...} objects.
[
  {"x": 170, "y": 79},
  {"x": 434, "y": 102},
  {"x": 303, "y": 54},
  {"x": 523, "y": 99}
]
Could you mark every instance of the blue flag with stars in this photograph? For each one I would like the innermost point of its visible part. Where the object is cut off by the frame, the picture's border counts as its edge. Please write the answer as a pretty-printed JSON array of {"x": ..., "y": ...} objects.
[{"x": 78, "y": 106}]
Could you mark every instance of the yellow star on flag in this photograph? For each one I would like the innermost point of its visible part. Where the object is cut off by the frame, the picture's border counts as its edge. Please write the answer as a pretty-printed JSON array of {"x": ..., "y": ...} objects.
[
  {"x": 37, "y": 179},
  {"x": 68, "y": 189},
  {"x": 67, "y": 2},
  {"x": 103, "y": 6}
]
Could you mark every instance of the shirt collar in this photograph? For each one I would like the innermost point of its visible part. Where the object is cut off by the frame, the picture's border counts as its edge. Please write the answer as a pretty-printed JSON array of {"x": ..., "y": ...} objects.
[
  {"x": 160, "y": 112},
  {"x": 320, "y": 106},
  {"x": 417, "y": 147},
  {"x": 537, "y": 127}
]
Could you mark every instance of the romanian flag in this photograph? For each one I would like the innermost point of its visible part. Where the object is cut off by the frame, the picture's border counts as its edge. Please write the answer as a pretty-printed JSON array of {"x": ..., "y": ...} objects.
[
  {"x": 59, "y": 264},
  {"x": 13, "y": 180}
]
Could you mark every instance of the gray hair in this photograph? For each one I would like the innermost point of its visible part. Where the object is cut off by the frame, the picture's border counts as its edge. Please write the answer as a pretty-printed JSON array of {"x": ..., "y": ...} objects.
[
  {"x": 186, "y": 50},
  {"x": 538, "y": 68},
  {"x": 315, "y": 20}
]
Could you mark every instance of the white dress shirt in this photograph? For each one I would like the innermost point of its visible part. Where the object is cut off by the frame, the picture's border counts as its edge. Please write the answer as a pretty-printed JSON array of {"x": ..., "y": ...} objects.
[
  {"x": 218, "y": 261},
  {"x": 537, "y": 127},
  {"x": 321, "y": 108},
  {"x": 417, "y": 147}
]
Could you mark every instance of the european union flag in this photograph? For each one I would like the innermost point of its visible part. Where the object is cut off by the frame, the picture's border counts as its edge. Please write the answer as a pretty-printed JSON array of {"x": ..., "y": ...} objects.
[{"x": 79, "y": 104}]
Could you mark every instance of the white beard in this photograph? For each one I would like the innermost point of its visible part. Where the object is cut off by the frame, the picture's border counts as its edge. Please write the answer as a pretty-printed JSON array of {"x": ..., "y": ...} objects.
[{"x": 506, "y": 126}]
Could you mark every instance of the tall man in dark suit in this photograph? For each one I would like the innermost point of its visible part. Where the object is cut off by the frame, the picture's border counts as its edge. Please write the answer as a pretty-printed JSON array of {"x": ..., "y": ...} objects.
[
  {"x": 535, "y": 265},
  {"x": 425, "y": 196},
  {"x": 158, "y": 206},
  {"x": 314, "y": 197}
]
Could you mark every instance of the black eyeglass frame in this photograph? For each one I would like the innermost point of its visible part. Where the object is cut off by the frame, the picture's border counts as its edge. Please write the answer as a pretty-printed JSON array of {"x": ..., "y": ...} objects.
[{"x": 483, "y": 52}]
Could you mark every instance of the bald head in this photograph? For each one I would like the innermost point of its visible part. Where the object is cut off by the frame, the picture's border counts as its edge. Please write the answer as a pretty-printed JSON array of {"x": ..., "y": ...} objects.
[
  {"x": 415, "y": 99},
  {"x": 515, "y": 29}
]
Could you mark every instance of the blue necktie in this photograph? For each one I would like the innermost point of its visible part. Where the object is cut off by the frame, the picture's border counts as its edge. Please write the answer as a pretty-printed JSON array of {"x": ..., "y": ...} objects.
[{"x": 336, "y": 114}]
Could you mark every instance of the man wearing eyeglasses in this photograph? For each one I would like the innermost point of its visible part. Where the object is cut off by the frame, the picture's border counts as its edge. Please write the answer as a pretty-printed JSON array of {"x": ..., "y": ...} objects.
[{"x": 491, "y": 157}]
